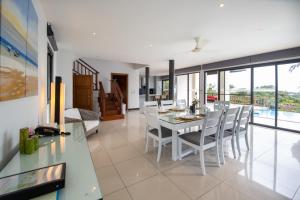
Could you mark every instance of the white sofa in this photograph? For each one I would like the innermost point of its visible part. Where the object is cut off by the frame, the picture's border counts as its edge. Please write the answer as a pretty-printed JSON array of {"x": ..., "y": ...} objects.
[{"x": 90, "y": 119}]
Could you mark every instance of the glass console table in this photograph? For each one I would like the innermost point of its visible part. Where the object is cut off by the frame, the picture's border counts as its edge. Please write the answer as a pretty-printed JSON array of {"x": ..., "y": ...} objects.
[{"x": 81, "y": 180}]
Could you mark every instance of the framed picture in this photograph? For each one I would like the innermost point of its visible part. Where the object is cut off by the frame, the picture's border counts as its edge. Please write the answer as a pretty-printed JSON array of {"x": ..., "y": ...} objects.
[
  {"x": 18, "y": 49},
  {"x": 30, "y": 184}
]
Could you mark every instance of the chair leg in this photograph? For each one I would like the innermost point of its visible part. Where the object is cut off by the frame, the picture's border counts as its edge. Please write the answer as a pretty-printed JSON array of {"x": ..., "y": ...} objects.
[
  {"x": 233, "y": 148},
  {"x": 222, "y": 153},
  {"x": 238, "y": 143},
  {"x": 180, "y": 149},
  {"x": 201, "y": 153},
  {"x": 147, "y": 143},
  {"x": 246, "y": 140},
  {"x": 159, "y": 151},
  {"x": 217, "y": 155},
  {"x": 154, "y": 143}
]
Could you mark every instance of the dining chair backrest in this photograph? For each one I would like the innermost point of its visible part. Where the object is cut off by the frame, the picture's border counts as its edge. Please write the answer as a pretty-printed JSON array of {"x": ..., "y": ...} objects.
[
  {"x": 181, "y": 102},
  {"x": 150, "y": 104},
  {"x": 226, "y": 104},
  {"x": 152, "y": 120},
  {"x": 211, "y": 125},
  {"x": 219, "y": 105},
  {"x": 203, "y": 109},
  {"x": 229, "y": 120},
  {"x": 167, "y": 104},
  {"x": 244, "y": 117}
]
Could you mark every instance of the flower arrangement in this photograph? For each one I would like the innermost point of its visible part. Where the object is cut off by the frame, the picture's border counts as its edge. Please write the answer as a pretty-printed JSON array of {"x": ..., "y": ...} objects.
[{"x": 195, "y": 102}]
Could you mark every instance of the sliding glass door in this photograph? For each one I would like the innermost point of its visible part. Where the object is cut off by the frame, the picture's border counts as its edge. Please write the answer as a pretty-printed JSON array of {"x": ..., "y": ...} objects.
[
  {"x": 272, "y": 89},
  {"x": 165, "y": 89},
  {"x": 182, "y": 87},
  {"x": 193, "y": 87},
  {"x": 289, "y": 96},
  {"x": 211, "y": 88},
  {"x": 237, "y": 87},
  {"x": 264, "y": 95}
]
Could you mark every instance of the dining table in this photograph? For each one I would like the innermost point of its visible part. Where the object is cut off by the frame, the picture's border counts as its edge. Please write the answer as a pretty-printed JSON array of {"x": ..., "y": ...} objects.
[{"x": 177, "y": 120}]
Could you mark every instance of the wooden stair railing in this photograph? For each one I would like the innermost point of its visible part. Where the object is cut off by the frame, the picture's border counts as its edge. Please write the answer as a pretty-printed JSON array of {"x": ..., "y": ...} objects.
[
  {"x": 117, "y": 94},
  {"x": 83, "y": 68},
  {"x": 101, "y": 99}
]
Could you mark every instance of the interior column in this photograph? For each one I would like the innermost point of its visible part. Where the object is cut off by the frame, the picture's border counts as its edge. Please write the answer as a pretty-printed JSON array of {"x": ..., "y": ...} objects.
[
  {"x": 171, "y": 79},
  {"x": 147, "y": 83}
]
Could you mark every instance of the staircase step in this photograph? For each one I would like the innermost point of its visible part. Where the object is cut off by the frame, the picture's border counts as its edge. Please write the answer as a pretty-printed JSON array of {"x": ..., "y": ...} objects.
[
  {"x": 112, "y": 112},
  {"x": 112, "y": 117}
]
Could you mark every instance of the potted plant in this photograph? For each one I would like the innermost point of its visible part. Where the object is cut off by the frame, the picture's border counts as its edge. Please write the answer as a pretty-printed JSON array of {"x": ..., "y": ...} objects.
[{"x": 195, "y": 102}]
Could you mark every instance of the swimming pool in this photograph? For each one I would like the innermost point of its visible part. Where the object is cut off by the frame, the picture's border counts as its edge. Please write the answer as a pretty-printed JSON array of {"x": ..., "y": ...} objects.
[{"x": 282, "y": 115}]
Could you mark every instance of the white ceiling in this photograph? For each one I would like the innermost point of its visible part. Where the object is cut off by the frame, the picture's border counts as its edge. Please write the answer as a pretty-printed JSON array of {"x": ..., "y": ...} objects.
[{"x": 125, "y": 29}]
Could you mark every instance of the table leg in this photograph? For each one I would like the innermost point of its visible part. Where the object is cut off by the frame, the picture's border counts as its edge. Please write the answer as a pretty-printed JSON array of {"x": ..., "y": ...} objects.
[{"x": 174, "y": 145}]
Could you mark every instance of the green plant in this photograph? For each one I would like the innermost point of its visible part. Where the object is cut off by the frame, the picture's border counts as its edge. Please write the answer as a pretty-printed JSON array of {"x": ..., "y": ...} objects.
[{"x": 195, "y": 102}]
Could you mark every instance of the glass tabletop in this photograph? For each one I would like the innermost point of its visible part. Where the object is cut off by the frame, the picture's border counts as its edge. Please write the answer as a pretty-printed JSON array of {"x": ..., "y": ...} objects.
[
  {"x": 81, "y": 180},
  {"x": 178, "y": 117}
]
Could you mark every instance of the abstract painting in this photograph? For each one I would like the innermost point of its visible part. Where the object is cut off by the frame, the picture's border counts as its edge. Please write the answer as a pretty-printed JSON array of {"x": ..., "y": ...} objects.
[{"x": 19, "y": 49}]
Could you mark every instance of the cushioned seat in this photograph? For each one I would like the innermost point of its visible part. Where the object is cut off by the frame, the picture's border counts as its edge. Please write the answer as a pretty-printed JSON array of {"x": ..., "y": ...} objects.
[
  {"x": 165, "y": 132},
  {"x": 194, "y": 138},
  {"x": 226, "y": 134},
  {"x": 241, "y": 129}
]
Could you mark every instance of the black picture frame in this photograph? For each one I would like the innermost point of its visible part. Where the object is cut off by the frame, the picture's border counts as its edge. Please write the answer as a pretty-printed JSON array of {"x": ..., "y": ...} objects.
[{"x": 36, "y": 190}]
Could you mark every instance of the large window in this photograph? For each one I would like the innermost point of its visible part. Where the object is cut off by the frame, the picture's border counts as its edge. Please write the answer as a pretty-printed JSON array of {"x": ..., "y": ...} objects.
[
  {"x": 182, "y": 87},
  {"x": 264, "y": 95},
  {"x": 238, "y": 86},
  {"x": 289, "y": 96},
  {"x": 211, "y": 87},
  {"x": 273, "y": 90},
  {"x": 165, "y": 88},
  {"x": 49, "y": 72},
  {"x": 193, "y": 87}
]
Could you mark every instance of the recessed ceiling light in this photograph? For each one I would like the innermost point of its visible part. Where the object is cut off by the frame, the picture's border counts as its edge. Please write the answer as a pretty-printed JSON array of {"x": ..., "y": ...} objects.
[
  {"x": 150, "y": 45},
  {"x": 221, "y": 5},
  {"x": 94, "y": 33}
]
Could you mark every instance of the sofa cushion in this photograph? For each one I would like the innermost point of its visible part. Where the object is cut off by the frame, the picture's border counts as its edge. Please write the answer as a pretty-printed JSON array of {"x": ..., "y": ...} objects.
[
  {"x": 73, "y": 113},
  {"x": 91, "y": 124},
  {"x": 88, "y": 115},
  {"x": 71, "y": 120}
]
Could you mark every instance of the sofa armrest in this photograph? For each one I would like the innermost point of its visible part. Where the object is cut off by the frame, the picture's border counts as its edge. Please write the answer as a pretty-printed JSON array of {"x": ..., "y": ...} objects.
[
  {"x": 88, "y": 115},
  {"x": 71, "y": 120}
]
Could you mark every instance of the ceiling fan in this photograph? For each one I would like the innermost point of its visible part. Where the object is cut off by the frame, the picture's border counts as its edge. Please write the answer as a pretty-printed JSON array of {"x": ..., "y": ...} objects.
[{"x": 199, "y": 44}]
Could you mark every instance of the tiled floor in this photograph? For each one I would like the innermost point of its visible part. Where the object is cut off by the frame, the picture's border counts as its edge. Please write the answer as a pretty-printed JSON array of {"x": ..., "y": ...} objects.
[{"x": 270, "y": 170}]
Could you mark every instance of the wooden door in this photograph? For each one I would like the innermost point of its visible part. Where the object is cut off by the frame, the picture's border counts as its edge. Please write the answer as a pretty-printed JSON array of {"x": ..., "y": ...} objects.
[
  {"x": 122, "y": 80},
  {"x": 83, "y": 91}
]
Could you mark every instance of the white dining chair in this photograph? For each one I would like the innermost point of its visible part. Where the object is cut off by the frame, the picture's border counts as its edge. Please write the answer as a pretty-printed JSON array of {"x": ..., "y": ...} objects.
[
  {"x": 167, "y": 104},
  {"x": 201, "y": 140},
  {"x": 228, "y": 128},
  {"x": 242, "y": 126},
  {"x": 156, "y": 132},
  {"x": 219, "y": 105},
  {"x": 181, "y": 102},
  {"x": 152, "y": 104}
]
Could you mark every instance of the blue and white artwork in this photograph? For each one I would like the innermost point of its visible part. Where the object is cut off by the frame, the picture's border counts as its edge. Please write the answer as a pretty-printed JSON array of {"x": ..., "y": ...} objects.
[{"x": 19, "y": 49}]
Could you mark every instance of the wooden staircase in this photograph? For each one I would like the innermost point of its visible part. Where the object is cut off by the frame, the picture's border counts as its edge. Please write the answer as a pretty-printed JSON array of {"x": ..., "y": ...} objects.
[{"x": 111, "y": 103}]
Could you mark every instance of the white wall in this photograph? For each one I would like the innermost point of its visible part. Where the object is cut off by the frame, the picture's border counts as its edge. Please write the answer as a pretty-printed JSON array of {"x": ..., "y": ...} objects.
[
  {"x": 105, "y": 69},
  {"x": 29, "y": 111},
  {"x": 64, "y": 67}
]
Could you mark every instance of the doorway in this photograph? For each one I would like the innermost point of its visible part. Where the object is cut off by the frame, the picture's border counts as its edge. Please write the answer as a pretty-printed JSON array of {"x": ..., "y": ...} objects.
[{"x": 122, "y": 80}]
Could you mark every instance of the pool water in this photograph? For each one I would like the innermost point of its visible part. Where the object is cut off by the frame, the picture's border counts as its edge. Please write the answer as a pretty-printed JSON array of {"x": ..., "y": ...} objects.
[{"x": 282, "y": 115}]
